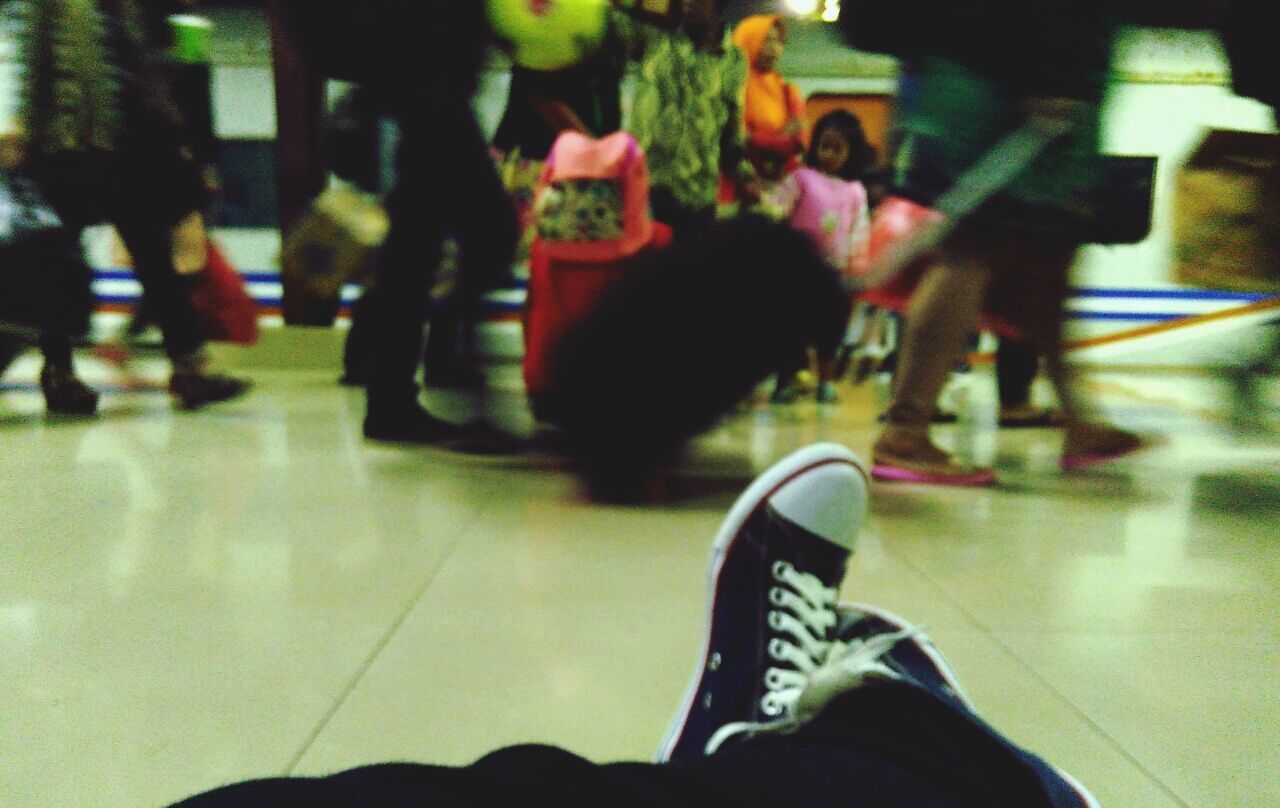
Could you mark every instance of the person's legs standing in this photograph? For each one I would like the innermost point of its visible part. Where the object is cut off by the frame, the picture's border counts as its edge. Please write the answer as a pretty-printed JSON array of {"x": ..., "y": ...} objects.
[
  {"x": 397, "y": 316},
  {"x": 485, "y": 225}
]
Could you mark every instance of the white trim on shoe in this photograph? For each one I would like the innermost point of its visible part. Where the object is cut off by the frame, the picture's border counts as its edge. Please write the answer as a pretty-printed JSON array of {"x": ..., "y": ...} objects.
[
  {"x": 926, "y": 646},
  {"x": 759, "y": 492}
]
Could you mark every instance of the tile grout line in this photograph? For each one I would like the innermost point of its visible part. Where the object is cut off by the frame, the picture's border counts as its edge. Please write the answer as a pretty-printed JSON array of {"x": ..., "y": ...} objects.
[
  {"x": 378, "y": 648},
  {"x": 1035, "y": 674}
]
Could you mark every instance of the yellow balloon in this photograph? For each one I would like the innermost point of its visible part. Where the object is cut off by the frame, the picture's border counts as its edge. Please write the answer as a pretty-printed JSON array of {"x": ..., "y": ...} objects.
[{"x": 549, "y": 34}]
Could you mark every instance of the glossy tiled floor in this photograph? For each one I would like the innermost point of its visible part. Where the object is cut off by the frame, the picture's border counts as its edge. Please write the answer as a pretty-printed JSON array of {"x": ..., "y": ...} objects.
[{"x": 189, "y": 599}]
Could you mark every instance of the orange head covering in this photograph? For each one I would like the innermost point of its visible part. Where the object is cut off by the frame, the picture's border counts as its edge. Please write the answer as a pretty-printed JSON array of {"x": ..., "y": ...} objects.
[
  {"x": 770, "y": 101},
  {"x": 750, "y": 34}
]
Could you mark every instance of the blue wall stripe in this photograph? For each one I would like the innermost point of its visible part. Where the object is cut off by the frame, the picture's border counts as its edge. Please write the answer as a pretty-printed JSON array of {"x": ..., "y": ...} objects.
[{"x": 1125, "y": 316}]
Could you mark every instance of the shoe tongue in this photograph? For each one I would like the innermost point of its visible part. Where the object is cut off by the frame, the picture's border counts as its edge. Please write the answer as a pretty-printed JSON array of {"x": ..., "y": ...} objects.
[{"x": 807, "y": 551}]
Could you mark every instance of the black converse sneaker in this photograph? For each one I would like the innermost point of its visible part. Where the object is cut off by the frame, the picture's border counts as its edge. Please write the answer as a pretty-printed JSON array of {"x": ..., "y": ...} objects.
[{"x": 776, "y": 567}]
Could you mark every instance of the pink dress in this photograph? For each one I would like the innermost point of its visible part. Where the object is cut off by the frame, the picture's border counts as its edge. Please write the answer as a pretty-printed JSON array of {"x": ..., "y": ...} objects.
[{"x": 831, "y": 211}]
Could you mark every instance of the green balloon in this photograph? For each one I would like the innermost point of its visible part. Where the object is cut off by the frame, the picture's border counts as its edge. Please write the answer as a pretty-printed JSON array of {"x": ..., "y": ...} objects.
[{"x": 549, "y": 34}]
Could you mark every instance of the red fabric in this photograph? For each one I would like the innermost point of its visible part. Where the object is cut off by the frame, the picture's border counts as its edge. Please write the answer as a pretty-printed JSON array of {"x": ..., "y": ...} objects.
[
  {"x": 225, "y": 310},
  {"x": 895, "y": 219},
  {"x": 561, "y": 293}
]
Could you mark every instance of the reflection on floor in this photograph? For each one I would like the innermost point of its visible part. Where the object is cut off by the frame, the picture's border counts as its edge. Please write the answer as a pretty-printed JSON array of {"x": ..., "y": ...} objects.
[{"x": 188, "y": 599}]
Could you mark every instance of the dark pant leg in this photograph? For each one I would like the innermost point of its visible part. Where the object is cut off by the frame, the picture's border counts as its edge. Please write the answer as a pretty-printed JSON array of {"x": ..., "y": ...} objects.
[
  {"x": 525, "y": 775},
  {"x": 447, "y": 184},
  {"x": 484, "y": 223},
  {"x": 879, "y": 746},
  {"x": 1017, "y": 362},
  {"x": 406, "y": 265},
  {"x": 149, "y": 240},
  {"x": 57, "y": 350}
]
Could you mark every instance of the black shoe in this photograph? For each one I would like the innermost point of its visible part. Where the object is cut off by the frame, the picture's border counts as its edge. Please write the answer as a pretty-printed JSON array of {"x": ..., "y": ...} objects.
[
  {"x": 65, "y": 394},
  {"x": 410, "y": 423},
  {"x": 195, "y": 389},
  {"x": 777, "y": 564}
]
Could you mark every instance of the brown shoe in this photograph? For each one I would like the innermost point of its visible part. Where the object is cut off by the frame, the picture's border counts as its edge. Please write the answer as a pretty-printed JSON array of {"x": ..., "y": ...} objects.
[
  {"x": 1090, "y": 444},
  {"x": 904, "y": 456}
]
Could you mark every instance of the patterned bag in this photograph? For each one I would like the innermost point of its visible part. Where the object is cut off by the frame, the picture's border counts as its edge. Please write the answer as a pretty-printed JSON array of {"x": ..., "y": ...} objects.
[
  {"x": 1226, "y": 223},
  {"x": 592, "y": 203}
]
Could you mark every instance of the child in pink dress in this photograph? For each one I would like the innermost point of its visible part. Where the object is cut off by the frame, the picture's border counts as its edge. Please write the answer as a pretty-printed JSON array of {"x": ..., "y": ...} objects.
[{"x": 826, "y": 200}]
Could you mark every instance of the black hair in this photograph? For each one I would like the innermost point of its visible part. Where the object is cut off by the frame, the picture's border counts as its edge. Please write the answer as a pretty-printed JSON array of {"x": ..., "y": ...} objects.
[{"x": 862, "y": 155}]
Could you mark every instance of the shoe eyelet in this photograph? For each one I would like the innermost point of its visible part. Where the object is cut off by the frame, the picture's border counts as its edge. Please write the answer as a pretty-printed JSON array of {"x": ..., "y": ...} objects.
[
  {"x": 773, "y": 679},
  {"x": 781, "y": 568},
  {"x": 706, "y": 702},
  {"x": 713, "y": 664},
  {"x": 777, "y": 596},
  {"x": 776, "y": 649},
  {"x": 775, "y": 621}
]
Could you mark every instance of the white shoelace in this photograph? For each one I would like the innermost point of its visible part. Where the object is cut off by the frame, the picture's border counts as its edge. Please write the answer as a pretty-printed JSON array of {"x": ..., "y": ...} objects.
[{"x": 823, "y": 668}]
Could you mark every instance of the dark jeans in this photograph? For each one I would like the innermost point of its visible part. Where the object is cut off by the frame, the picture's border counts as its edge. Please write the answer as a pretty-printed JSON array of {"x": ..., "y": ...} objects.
[
  {"x": 85, "y": 192},
  {"x": 1017, "y": 363},
  {"x": 890, "y": 745},
  {"x": 447, "y": 185}
]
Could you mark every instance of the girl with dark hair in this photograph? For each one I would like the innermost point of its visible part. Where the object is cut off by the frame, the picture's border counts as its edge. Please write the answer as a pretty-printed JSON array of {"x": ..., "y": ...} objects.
[
  {"x": 839, "y": 147},
  {"x": 827, "y": 201}
]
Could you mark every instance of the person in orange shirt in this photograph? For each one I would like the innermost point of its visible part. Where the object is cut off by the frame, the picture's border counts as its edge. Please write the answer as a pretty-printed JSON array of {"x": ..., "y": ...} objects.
[{"x": 773, "y": 108}]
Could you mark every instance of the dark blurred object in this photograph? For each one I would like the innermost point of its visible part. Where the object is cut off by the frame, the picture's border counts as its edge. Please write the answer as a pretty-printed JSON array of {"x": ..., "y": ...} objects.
[
  {"x": 1249, "y": 36},
  {"x": 684, "y": 338},
  {"x": 44, "y": 276},
  {"x": 1226, "y": 225},
  {"x": 1126, "y": 205},
  {"x": 248, "y": 196},
  {"x": 192, "y": 87},
  {"x": 352, "y": 140},
  {"x": 1049, "y": 48}
]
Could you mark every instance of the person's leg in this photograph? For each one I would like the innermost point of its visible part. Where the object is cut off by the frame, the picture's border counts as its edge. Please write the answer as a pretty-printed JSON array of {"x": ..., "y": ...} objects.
[
  {"x": 942, "y": 314},
  {"x": 64, "y": 392},
  {"x": 447, "y": 184},
  {"x": 148, "y": 239},
  {"x": 1017, "y": 364},
  {"x": 406, "y": 267},
  {"x": 1089, "y": 439},
  {"x": 357, "y": 356},
  {"x": 486, "y": 228}
]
